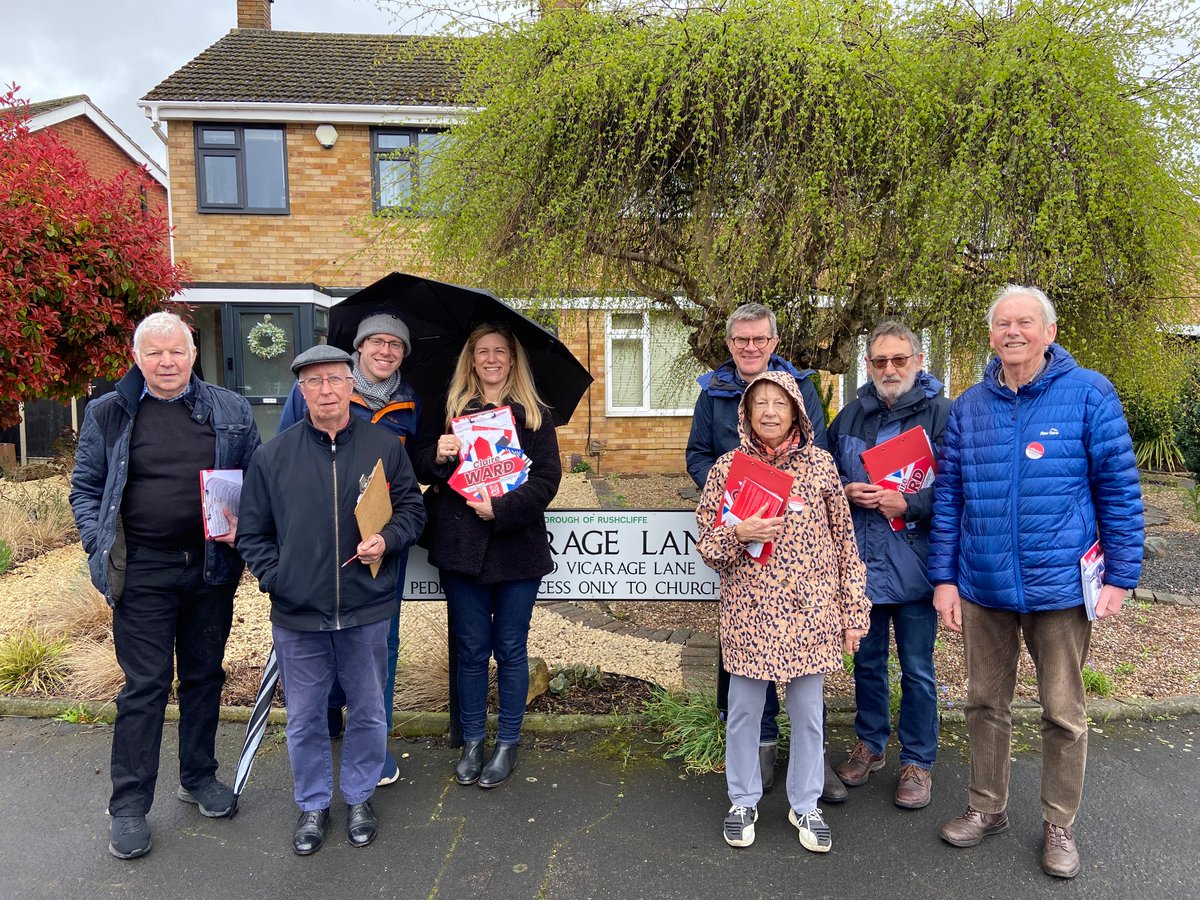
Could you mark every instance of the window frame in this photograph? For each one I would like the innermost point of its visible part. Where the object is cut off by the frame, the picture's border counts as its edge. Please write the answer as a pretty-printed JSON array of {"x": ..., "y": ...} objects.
[
  {"x": 410, "y": 153},
  {"x": 237, "y": 152},
  {"x": 644, "y": 335}
]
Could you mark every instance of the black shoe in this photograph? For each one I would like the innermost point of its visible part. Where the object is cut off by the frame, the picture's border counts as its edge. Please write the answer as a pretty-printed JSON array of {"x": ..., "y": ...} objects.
[
  {"x": 310, "y": 832},
  {"x": 833, "y": 790},
  {"x": 499, "y": 767},
  {"x": 469, "y": 766},
  {"x": 767, "y": 754},
  {"x": 129, "y": 837},
  {"x": 361, "y": 824},
  {"x": 337, "y": 722}
]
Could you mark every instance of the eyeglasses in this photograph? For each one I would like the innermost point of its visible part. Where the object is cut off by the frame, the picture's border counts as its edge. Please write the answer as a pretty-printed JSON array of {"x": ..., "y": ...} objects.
[
  {"x": 380, "y": 343},
  {"x": 313, "y": 382},
  {"x": 898, "y": 362},
  {"x": 759, "y": 341}
]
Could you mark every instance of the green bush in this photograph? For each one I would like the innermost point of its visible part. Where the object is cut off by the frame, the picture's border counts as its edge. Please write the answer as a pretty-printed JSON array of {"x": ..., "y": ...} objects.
[
  {"x": 1152, "y": 427},
  {"x": 691, "y": 727},
  {"x": 31, "y": 661},
  {"x": 1096, "y": 682},
  {"x": 6, "y": 556},
  {"x": 1187, "y": 421}
]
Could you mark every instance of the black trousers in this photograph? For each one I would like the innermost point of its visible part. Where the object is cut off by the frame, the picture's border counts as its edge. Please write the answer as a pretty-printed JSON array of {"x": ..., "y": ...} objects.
[{"x": 167, "y": 614}]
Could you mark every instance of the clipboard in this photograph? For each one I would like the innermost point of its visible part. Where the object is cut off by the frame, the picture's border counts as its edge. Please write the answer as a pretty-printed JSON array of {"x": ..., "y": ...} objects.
[{"x": 374, "y": 508}]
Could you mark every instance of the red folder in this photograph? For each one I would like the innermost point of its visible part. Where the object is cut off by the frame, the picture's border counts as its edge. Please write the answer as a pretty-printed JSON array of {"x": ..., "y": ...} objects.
[
  {"x": 750, "y": 485},
  {"x": 905, "y": 463}
]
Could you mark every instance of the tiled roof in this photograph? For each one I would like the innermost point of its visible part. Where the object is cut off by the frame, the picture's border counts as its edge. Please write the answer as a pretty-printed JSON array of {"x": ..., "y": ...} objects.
[
  {"x": 45, "y": 106},
  {"x": 253, "y": 66}
]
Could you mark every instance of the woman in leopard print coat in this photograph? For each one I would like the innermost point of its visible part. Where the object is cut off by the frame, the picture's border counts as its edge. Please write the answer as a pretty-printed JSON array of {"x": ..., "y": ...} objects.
[{"x": 789, "y": 619}]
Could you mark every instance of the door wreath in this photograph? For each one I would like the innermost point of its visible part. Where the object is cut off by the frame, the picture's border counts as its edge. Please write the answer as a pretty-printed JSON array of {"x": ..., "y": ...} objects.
[{"x": 266, "y": 341}]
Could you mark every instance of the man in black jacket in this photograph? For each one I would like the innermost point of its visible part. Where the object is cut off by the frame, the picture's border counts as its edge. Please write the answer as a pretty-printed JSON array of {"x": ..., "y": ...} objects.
[
  {"x": 135, "y": 493},
  {"x": 299, "y": 537}
]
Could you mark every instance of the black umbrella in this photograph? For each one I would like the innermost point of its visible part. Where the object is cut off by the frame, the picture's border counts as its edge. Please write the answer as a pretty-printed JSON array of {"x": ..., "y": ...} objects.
[{"x": 440, "y": 316}]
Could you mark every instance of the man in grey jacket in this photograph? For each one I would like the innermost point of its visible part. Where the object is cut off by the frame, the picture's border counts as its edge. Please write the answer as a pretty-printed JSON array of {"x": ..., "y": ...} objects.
[{"x": 135, "y": 493}]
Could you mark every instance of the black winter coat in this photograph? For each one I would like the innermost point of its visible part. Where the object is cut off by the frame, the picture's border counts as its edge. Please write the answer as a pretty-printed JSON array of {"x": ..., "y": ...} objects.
[
  {"x": 514, "y": 546},
  {"x": 297, "y": 524}
]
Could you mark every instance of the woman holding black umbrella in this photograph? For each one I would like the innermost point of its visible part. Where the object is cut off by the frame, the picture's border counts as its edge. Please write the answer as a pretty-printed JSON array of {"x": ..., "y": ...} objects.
[{"x": 491, "y": 553}]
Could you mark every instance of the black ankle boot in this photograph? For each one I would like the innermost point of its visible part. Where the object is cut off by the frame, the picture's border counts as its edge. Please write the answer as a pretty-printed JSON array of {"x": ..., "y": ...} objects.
[
  {"x": 469, "y": 766},
  {"x": 499, "y": 767}
]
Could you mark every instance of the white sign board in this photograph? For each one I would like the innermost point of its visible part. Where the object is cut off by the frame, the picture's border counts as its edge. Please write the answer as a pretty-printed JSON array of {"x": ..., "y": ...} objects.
[{"x": 606, "y": 554}]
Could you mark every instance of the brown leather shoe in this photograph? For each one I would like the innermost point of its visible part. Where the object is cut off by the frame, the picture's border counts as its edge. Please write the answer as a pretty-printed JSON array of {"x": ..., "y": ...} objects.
[
  {"x": 914, "y": 788},
  {"x": 859, "y": 765},
  {"x": 1060, "y": 857},
  {"x": 972, "y": 827}
]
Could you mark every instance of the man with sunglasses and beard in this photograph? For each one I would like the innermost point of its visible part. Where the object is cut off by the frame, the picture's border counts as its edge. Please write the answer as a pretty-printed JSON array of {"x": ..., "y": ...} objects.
[{"x": 899, "y": 395}]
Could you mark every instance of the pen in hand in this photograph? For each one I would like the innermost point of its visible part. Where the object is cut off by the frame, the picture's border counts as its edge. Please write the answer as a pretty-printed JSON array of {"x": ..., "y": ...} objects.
[{"x": 347, "y": 562}]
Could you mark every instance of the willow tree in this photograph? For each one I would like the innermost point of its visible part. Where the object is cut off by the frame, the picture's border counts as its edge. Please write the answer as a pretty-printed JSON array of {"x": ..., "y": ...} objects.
[{"x": 838, "y": 161}]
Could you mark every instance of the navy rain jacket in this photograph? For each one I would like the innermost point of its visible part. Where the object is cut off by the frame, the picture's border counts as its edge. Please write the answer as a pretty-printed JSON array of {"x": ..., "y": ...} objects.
[
  {"x": 895, "y": 559},
  {"x": 715, "y": 420}
]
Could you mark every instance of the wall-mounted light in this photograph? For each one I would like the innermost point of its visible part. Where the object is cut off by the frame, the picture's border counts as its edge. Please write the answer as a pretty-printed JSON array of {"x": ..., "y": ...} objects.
[{"x": 326, "y": 136}]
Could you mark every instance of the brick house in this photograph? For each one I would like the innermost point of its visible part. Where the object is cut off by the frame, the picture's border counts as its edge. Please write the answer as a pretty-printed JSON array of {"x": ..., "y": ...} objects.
[
  {"x": 285, "y": 148},
  {"x": 107, "y": 151}
]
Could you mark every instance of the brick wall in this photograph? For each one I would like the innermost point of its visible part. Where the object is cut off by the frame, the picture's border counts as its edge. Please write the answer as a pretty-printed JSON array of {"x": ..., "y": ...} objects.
[
  {"x": 104, "y": 158},
  {"x": 321, "y": 241},
  {"x": 628, "y": 443}
]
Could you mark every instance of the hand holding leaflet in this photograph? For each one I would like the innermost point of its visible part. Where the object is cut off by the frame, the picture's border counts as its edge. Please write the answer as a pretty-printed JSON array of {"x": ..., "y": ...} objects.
[{"x": 220, "y": 492}]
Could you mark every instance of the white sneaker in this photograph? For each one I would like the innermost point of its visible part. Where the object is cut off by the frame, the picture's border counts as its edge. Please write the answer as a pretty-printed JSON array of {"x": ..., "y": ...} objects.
[
  {"x": 814, "y": 833},
  {"x": 739, "y": 825}
]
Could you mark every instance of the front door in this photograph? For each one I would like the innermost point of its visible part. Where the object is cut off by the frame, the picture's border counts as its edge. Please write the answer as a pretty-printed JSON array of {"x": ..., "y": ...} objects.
[{"x": 262, "y": 363}]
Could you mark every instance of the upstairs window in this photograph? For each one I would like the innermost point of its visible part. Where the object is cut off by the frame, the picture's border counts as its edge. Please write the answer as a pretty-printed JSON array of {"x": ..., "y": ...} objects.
[
  {"x": 401, "y": 160},
  {"x": 649, "y": 370},
  {"x": 241, "y": 169}
]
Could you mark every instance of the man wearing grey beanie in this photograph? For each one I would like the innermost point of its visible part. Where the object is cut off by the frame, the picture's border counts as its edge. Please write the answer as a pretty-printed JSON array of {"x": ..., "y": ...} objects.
[{"x": 383, "y": 398}]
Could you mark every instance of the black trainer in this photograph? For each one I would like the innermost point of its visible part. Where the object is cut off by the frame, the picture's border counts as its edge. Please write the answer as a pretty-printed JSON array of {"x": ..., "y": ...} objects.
[{"x": 129, "y": 837}]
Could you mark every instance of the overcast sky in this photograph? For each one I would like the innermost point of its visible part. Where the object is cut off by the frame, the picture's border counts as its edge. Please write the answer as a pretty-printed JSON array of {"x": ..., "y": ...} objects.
[{"x": 116, "y": 51}]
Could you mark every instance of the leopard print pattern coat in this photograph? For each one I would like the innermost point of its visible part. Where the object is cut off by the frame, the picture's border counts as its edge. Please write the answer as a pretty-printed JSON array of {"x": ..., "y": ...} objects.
[{"x": 787, "y": 617}]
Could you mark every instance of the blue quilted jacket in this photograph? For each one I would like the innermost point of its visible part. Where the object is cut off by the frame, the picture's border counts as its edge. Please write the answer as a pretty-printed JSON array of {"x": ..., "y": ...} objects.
[{"x": 1027, "y": 483}]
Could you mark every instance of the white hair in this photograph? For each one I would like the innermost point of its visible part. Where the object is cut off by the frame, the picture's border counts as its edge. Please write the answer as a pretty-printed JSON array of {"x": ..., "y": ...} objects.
[
  {"x": 1049, "y": 316},
  {"x": 161, "y": 324}
]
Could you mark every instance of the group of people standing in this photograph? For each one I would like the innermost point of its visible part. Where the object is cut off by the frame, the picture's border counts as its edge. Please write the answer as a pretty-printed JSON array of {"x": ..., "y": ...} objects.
[
  {"x": 1034, "y": 463},
  {"x": 335, "y": 623}
]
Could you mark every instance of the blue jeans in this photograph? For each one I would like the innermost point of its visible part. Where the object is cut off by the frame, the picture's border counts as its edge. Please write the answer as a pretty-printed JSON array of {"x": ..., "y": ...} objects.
[
  {"x": 491, "y": 620},
  {"x": 308, "y": 662},
  {"x": 915, "y": 625}
]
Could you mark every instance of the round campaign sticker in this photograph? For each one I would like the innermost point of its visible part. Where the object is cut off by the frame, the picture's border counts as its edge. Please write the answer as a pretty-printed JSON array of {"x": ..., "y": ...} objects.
[
  {"x": 795, "y": 504},
  {"x": 1035, "y": 450}
]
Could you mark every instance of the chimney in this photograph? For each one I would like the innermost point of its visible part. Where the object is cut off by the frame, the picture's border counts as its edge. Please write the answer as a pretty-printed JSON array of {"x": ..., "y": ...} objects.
[{"x": 254, "y": 14}]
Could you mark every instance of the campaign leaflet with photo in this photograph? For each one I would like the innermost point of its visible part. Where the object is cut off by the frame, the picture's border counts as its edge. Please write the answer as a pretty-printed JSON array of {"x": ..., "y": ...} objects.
[
  {"x": 751, "y": 485},
  {"x": 220, "y": 490},
  {"x": 1091, "y": 573},
  {"x": 905, "y": 463},
  {"x": 492, "y": 461}
]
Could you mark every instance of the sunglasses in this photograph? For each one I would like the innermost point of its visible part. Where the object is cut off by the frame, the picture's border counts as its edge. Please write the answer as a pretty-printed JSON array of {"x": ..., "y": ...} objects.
[{"x": 898, "y": 362}]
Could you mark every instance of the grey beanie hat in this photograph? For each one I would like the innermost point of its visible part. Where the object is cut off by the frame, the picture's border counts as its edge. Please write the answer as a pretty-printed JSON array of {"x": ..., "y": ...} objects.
[
  {"x": 322, "y": 353},
  {"x": 382, "y": 323}
]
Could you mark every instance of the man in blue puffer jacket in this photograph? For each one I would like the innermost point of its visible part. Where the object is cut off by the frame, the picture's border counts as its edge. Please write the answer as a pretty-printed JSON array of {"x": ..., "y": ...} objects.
[
  {"x": 899, "y": 396},
  {"x": 1037, "y": 464}
]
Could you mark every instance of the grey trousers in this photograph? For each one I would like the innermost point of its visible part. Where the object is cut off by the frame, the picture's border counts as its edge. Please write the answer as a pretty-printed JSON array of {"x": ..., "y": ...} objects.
[{"x": 806, "y": 759}]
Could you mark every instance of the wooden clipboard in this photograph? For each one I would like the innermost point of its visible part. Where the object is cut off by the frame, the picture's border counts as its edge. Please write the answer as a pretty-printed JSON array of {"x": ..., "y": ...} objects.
[{"x": 374, "y": 508}]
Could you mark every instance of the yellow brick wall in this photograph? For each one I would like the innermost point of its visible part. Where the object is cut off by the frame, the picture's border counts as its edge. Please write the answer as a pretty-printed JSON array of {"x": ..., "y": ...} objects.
[{"x": 319, "y": 241}]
